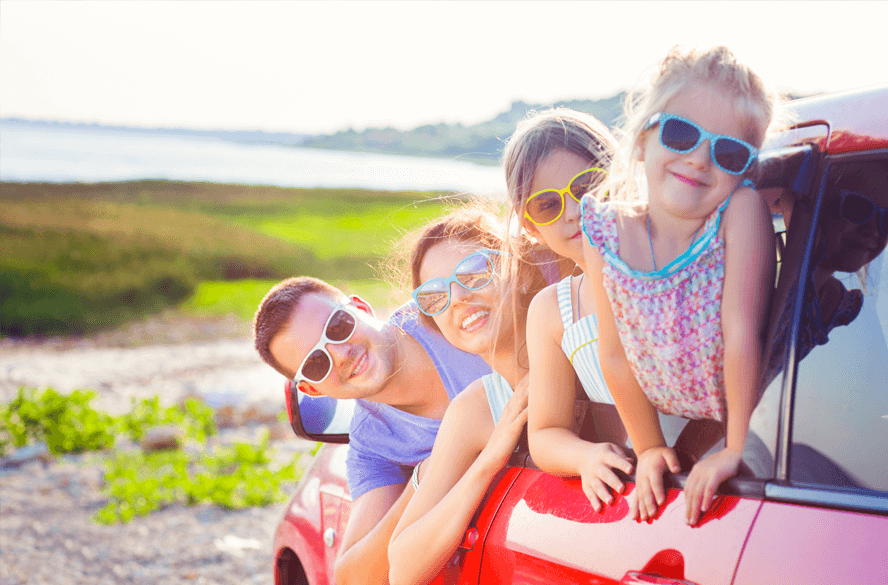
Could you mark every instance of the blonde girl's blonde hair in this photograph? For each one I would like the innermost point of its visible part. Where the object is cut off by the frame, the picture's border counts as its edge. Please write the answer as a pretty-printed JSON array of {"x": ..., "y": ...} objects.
[
  {"x": 753, "y": 101},
  {"x": 541, "y": 134}
]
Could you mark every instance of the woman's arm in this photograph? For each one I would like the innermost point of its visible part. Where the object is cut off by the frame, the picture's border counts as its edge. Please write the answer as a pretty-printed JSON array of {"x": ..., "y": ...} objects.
[
  {"x": 469, "y": 451},
  {"x": 749, "y": 280},
  {"x": 638, "y": 414},
  {"x": 553, "y": 445}
]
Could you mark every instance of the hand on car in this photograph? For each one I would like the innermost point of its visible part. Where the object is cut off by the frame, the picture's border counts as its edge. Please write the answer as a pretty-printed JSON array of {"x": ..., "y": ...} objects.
[
  {"x": 507, "y": 431},
  {"x": 704, "y": 479},
  {"x": 597, "y": 473},
  {"x": 649, "y": 491}
]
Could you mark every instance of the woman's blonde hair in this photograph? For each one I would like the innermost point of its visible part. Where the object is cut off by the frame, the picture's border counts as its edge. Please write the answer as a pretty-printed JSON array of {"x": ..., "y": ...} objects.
[
  {"x": 753, "y": 100},
  {"x": 542, "y": 133}
]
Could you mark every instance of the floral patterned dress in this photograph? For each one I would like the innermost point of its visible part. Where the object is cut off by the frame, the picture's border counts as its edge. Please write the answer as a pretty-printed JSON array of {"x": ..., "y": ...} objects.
[{"x": 669, "y": 321}]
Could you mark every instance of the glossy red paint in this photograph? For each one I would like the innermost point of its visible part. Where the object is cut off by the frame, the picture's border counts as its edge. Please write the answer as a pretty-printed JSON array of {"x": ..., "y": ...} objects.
[
  {"x": 800, "y": 545},
  {"x": 535, "y": 535},
  {"x": 321, "y": 501}
]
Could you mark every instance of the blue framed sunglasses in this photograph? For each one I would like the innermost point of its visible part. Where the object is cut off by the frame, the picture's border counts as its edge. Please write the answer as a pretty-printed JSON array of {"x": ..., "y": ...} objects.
[
  {"x": 473, "y": 272},
  {"x": 678, "y": 134}
]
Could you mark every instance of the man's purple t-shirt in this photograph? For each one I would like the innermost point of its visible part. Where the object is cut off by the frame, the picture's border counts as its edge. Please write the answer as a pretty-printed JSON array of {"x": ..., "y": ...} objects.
[{"x": 385, "y": 443}]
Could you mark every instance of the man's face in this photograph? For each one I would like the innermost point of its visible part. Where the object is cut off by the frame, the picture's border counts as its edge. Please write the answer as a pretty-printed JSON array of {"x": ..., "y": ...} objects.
[{"x": 361, "y": 365}]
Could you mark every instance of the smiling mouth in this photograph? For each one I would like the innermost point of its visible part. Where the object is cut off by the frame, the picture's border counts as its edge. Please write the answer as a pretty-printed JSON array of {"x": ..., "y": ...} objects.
[
  {"x": 577, "y": 235},
  {"x": 687, "y": 180},
  {"x": 473, "y": 318},
  {"x": 359, "y": 365}
]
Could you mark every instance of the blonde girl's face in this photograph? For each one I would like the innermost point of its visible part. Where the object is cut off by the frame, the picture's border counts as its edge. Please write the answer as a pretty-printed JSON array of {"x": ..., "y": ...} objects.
[
  {"x": 468, "y": 322},
  {"x": 690, "y": 185},
  {"x": 564, "y": 236}
]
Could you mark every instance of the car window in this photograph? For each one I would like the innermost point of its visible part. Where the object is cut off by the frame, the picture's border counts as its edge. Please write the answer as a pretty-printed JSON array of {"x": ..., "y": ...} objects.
[{"x": 839, "y": 432}]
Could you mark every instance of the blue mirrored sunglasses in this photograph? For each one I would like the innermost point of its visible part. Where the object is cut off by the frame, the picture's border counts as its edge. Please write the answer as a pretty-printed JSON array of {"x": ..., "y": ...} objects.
[
  {"x": 473, "y": 272},
  {"x": 678, "y": 134}
]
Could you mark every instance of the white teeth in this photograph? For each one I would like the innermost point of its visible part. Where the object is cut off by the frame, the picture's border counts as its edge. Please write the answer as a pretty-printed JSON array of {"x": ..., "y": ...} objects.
[
  {"x": 359, "y": 365},
  {"x": 474, "y": 317}
]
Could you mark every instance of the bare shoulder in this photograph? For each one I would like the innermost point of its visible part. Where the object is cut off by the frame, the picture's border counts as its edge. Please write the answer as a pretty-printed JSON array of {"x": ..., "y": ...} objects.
[
  {"x": 746, "y": 211},
  {"x": 544, "y": 314},
  {"x": 468, "y": 417}
]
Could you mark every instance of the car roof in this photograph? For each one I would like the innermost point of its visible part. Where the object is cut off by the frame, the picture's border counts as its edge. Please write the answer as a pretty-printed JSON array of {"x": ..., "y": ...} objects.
[{"x": 849, "y": 121}]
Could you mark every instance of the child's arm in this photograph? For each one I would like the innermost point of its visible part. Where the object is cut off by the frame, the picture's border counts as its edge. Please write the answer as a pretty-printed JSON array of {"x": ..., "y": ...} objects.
[
  {"x": 638, "y": 414},
  {"x": 469, "y": 451},
  {"x": 749, "y": 280},
  {"x": 553, "y": 444}
]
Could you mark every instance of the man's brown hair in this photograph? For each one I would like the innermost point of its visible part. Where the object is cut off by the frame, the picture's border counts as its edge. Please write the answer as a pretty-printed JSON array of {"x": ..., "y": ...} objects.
[{"x": 277, "y": 308}]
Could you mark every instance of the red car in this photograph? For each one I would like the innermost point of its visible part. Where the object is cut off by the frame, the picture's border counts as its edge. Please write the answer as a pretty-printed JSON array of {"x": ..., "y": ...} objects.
[{"x": 811, "y": 505}]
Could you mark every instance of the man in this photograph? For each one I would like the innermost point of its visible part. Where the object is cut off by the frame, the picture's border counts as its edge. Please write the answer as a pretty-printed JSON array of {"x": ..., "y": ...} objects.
[{"x": 402, "y": 374}]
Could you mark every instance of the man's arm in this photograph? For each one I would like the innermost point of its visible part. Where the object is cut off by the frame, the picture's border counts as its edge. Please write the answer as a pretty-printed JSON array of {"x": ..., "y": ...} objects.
[{"x": 363, "y": 557}]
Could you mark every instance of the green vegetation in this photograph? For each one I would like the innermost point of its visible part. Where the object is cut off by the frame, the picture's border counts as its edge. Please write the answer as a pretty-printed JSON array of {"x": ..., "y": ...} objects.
[
  {"x": 80, "y": 257},
  {"x": 480, "y": 143},
  {"x": 234, "y": 476}
]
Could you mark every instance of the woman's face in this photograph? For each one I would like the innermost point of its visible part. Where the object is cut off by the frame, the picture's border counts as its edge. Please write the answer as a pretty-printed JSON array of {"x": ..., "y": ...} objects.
[
  {"x": 467, "y": 322},
  {"x": 564, "y": 236},
  {"x": 851, "y": 246}
]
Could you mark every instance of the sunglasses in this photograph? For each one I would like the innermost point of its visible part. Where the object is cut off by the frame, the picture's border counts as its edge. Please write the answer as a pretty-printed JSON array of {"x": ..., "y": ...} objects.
[
  {"x": 473, "y": 272},
  {"x": 339, "y": 328},
  {"x": 546, "y": 206},
  {"x": 857, "y": 209},
  {"x": 678, "y": 134}
]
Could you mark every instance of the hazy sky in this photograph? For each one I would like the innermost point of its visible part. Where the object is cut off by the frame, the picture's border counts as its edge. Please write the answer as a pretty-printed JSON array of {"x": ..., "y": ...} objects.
[{"x": 323, "y": 66}]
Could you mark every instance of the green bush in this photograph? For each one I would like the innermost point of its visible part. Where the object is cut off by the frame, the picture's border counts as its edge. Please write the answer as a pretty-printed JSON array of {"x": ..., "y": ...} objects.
[{"x": 65, "y": 422}]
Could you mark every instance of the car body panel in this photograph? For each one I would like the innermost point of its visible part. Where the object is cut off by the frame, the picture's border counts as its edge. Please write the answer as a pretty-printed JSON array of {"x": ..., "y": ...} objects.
[
  {"x": 547, "y": 525},
  {"x": 799, "y": 545}
]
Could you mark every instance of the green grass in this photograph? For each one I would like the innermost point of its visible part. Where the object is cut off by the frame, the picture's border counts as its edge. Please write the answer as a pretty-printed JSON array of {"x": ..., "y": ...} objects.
[{"x": 81, "y": 257}]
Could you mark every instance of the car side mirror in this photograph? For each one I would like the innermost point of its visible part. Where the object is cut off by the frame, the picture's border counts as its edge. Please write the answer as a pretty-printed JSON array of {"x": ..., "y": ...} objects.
[{"x": 318, "y": 418}]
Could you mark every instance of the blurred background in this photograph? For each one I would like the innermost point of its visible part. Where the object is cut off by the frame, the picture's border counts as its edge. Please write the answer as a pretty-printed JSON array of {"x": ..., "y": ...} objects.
[{"x": 185, "y": 156}]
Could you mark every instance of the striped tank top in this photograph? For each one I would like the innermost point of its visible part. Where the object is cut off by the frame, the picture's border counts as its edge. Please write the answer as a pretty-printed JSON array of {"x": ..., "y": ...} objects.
[
  {"x": 580, "y": 345},
  {"x": 498, "y": 393}
]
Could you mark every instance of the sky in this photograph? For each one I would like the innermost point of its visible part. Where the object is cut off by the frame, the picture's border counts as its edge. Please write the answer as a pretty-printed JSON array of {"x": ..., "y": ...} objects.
[{"x": 319, "y": 67}]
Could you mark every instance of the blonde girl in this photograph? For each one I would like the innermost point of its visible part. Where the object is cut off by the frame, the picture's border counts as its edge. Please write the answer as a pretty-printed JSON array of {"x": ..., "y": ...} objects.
[{"x": 681, "y": 279}]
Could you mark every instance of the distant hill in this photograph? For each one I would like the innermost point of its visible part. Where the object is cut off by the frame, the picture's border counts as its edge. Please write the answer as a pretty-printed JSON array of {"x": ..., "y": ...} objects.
[
  {"x": 239, "y": 136},
  {"x": 480, "y": 143}
]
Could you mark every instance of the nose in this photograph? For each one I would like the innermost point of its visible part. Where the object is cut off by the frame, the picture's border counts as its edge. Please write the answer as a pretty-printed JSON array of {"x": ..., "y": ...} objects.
[
  {"x": 338, "y": 351},
  {"x": 459, "y": 294},
  {"x": 699, "y": 157},
  {"x": 571, "y": 210}
]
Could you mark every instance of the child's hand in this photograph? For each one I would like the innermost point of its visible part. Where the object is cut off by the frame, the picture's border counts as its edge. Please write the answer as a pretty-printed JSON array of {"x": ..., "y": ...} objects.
[
  {"x": 508, "y": 429},
  {"x": 649, "y": 492},
  {"x": 705, "y": 478},
  {"x": 596, "y": 473}
]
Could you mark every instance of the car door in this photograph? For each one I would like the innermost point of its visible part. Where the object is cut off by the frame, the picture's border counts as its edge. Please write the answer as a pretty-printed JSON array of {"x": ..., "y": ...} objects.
[{"x": 826, "y": 515}]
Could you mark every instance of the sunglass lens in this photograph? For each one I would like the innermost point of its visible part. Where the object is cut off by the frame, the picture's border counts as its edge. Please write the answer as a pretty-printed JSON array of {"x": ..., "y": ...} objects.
[
  {"x": 316, "y": 367},
  {"x": 856, "y": 208},
  {"x": 585, "y": 182},
  {"x": 342, "y": 325},
  {"x": 432, "y": 297},
  {"x": 731, "y": 155},
  {"x": 679, "y": 135},
  {"x": 474, "y": 272},
  {"x": 545, "y": 206}
]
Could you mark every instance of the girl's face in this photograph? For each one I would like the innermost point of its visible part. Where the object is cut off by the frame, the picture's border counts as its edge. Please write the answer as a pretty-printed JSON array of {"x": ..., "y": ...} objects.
[
  {"x": 690, "y": 185},
  {"x": 468, "y": 322},
  {"x": 563, "y": 236}
]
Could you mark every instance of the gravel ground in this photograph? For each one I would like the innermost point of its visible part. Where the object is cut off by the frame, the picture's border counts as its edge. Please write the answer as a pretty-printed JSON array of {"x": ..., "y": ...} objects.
[{"x": 46, "y": 531}]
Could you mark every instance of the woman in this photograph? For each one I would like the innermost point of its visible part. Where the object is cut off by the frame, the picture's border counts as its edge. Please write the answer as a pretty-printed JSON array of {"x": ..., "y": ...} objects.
[{"x": 463, "y": 294}]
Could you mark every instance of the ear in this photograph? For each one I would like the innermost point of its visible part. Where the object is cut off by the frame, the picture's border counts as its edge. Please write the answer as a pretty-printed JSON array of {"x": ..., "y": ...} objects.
[
  {"x": 361, "y": 304},
  {"x": 308, "y": 389}
]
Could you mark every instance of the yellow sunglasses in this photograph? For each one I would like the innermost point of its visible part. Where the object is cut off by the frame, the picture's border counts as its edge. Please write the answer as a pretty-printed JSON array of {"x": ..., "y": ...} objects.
[{"x": 546, "y": 206}]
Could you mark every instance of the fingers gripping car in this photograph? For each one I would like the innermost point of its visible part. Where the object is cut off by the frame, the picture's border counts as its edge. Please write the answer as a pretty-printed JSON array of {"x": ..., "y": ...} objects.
[{"x": 811, "y": 502}]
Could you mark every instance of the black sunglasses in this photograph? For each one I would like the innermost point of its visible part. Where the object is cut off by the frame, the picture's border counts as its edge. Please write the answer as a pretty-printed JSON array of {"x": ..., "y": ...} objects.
[{"x": 857, "y": 209}]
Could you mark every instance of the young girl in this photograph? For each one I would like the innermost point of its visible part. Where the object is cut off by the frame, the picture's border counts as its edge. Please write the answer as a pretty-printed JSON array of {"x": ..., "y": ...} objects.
[
  {"x": 455, "y": 265},
  {"x": 681, "y": 280}
]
